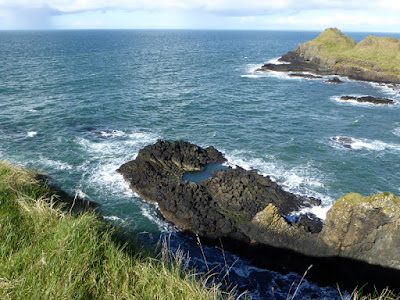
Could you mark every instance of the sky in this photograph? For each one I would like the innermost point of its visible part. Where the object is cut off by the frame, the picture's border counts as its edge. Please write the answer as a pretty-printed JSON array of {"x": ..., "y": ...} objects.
[{"x": 314, "y": 15}]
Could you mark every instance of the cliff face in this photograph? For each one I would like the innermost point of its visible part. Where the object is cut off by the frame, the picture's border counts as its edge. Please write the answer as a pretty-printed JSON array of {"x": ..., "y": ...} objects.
[
  {"x": 365, "y": 227},
  {"x": 333, "y": 53}
]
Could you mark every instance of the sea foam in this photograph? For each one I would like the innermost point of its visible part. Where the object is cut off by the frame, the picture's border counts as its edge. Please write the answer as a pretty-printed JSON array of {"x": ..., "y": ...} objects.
[
  {"x": 31, "y": 133},
  {"x": 351, "y": 143},
  {"x": 107, "y": 151},
  {"x": 305, "y": 180},
  {"x": 276, "y": 61}
]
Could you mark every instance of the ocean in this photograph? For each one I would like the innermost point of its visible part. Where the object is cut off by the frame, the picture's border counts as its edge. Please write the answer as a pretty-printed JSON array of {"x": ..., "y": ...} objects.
[{"x": 78, "y": 104}]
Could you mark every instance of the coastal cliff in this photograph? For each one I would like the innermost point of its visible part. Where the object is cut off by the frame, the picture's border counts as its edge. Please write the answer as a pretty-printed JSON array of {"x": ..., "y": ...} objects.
[
  {"x": 244, "y": 206},
  {"x": 374, "y": 59}
]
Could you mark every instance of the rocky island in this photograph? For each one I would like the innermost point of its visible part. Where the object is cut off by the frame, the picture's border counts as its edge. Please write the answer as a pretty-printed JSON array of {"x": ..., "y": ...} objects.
[
  {"x": 374, "y": 59},
  {"x": 243, "y": 207}
]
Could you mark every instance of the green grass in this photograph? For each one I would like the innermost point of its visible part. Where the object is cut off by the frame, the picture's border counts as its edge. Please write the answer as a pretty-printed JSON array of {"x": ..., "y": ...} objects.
[
  {"x": 380, "y": 52},
  {"x": 48, "y": 253}
]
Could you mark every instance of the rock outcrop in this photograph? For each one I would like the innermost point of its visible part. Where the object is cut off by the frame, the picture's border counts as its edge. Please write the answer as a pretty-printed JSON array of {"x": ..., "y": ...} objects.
[
  {"x": 368, "y": 99},
  {"x": 244, "y": 206},
  {"x": 334, "y": 80},
  {"x": 333, "y": 53},
  {"x": 217, "y": 206},
  {"x": 366, "y": 228}
]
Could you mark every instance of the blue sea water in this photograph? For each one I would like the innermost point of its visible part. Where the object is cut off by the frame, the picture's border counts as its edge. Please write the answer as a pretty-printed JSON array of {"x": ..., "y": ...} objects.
[{"x": 78, "y": 104}]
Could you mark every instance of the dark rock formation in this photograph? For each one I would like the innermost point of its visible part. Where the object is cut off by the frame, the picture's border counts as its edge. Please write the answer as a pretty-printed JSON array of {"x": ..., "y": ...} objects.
[
  {"x": 217, "y": 206},
  {"x": 333, "y": 53},
  {"x": 305, "y": 75},
  {"x": 368, "y": 99},
  {"x": 334, "y": 80},
  {"x": 344, "y": 141},
  {"x": 242, "y": 206}
]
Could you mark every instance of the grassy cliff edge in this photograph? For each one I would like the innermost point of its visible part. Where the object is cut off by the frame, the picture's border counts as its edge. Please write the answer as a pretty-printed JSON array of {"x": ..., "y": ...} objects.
[
  {"x": 48, "y": 253},
  {"x": 381, "y": 54}
]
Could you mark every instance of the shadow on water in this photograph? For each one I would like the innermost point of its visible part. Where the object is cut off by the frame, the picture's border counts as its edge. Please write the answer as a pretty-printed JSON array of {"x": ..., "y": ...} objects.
[{"x": 345, "y": 273}]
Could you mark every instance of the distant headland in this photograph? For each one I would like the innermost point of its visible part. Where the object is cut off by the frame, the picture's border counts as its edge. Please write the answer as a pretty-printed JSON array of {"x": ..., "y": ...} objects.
[{"x": 374, "y": 59}]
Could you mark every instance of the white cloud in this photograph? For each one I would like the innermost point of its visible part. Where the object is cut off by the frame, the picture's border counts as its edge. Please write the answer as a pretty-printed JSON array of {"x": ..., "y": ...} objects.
[
  {"x": 245, "y": 14},
  {"x": 215, "y": 6},
  {"x": 332, "y": 19}
]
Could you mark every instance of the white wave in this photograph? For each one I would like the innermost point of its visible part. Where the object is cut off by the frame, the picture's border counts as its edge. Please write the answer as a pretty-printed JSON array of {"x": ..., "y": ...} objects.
[
  {"x": 31, "y": 133},
  {"x": 356, "y": 103},
  {"x": 150, "y": 213},
  {"x": 112, "y": 133},
  {"x": 54, "y": 164},
  {"x": 107, "y": 177},
  {"x": 280, "y": 75},
  {"x": 388, "y": 89},
  {"x": 105, "y": 157},
  {"x": 113, "y": 218},
  {"x": 276, "y": 61},
  {"x": 303, "y": 180},
  {"x": 82, "y": 194},
  {"x": 250, "y": 76},
  {"x": 287, "y": 75},
  {"x": 363, "y": 144},
  {"x": 319, "y": 211},
  {"x": 396, "y": 131},
  {"x": 33, "y": 110}
]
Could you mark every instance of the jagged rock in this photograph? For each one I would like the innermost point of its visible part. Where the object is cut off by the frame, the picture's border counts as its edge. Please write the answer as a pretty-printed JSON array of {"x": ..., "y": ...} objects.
[
  {"x": 333, "y": 53},
  {"x": 215, "y": 207},
  {"x": 334, "y": 80},
  {"x": 368, "y": 99},
  {"x": 270, "y": 228},
  {"x": 246, "y": 207},
  {"x": 366, "y": 228}
]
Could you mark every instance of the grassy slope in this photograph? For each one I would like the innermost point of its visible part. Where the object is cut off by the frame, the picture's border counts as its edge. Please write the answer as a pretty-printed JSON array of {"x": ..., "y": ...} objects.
[
  {"x": 383, "y": 52},
  {"x": 47, "y": 253}
]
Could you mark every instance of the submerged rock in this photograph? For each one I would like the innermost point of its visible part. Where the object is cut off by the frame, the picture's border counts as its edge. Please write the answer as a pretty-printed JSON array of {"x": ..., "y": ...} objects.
[{"x": 344, "y": 141}]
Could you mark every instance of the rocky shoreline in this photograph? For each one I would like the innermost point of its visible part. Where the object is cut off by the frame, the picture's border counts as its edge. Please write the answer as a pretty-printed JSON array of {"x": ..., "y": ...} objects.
[
  {"x": 344, "y": 58},
  {"x": 250, "y": 211}
]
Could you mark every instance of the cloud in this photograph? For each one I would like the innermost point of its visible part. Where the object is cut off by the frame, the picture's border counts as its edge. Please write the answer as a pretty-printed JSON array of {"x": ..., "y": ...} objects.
[
  {"x": 233, "y": 7},
  {"x": 248, "y": 14}
]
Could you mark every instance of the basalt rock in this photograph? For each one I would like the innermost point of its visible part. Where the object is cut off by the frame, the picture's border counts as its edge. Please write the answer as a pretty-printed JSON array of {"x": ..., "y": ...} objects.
[
  {"x": 217, "y": 206},
  {"x": 334, "y": 80},
  {"x": 244, "y": 206},
  {"x": 366, "y": 228},
  {"x": 368, "y": 99}
]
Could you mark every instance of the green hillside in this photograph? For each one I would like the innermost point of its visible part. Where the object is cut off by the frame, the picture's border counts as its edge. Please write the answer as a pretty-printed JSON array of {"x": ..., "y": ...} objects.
[{"x": 371, "y": 53}]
